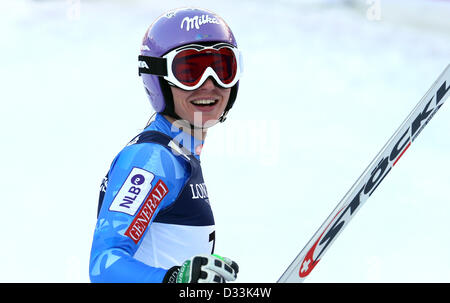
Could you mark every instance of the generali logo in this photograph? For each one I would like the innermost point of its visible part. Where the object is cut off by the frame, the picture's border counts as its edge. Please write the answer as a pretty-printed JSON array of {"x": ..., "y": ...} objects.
[
  {"x": 143, "y": 218},
  {"x": 197, "y": 21}
]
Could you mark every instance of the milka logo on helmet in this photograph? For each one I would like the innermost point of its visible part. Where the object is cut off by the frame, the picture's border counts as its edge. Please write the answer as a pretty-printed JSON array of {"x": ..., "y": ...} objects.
[{"x": 197, "y": 21}]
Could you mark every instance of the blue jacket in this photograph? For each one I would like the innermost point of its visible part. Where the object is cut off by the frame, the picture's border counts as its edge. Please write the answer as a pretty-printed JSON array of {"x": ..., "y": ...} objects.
[{"x": 154, "y": 210}]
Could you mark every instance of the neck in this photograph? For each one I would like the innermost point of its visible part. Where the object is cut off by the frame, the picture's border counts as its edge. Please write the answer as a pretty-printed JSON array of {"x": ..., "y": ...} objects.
[{"x": 198, "y": 133}]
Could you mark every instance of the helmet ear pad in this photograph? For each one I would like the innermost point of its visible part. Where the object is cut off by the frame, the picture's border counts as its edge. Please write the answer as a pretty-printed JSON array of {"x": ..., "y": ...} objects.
[{"x": 154, "y": 91}]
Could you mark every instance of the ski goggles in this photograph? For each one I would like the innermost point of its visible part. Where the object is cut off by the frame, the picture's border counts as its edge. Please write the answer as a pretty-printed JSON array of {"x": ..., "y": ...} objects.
[{"x": 188, "y": 67}]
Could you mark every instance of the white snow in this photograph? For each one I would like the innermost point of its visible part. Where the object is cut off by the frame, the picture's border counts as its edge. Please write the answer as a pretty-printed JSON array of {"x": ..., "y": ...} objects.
[{"x": 325, "y": 86}]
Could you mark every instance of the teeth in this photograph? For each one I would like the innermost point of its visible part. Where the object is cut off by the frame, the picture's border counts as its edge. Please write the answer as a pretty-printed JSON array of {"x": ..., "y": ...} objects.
[{"x": 204, "y": 102}]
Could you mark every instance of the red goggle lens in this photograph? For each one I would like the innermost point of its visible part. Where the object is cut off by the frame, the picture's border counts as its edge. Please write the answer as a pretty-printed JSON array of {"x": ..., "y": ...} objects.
[{"x": 189, "y": 65}]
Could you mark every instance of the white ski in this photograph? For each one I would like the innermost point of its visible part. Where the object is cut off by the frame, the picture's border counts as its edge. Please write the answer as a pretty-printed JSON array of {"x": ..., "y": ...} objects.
[{"x": 311, "y": 254}]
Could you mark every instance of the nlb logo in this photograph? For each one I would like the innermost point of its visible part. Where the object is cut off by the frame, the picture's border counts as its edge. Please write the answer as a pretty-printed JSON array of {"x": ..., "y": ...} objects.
[{"x": 133, "y": 192}]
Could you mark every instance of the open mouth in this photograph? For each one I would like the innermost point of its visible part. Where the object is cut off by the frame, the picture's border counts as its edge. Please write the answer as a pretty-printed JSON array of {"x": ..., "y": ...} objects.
[{"x": 205, "y": 102}]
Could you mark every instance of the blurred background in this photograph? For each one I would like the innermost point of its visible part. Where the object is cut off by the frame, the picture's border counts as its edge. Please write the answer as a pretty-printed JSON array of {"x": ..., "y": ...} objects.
[{"x": 326, "y": 83}]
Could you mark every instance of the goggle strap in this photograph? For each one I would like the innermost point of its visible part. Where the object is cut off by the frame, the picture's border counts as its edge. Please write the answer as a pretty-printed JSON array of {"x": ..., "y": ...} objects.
[{"x": 152, "y": 65}]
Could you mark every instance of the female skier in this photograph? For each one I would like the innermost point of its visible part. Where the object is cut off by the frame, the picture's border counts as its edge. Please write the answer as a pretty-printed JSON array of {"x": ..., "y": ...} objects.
[{"x": 155, "y": 222}]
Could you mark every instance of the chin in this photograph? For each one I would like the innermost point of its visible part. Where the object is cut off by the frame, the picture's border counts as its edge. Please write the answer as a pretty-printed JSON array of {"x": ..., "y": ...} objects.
[
  {"x": 205, "y": 123},
  {"x": 204, "y": 120}
]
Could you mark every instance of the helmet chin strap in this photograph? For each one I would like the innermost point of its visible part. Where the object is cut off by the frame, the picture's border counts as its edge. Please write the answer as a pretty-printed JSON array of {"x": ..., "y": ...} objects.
[{"x": 224, "y": 116}]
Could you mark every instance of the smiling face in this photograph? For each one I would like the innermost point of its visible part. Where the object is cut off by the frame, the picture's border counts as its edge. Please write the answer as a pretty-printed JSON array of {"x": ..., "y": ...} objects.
[{"x": 201, "y": 107}]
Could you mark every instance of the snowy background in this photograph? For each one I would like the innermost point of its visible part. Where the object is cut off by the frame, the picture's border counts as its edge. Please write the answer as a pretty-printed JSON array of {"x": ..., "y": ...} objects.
[{"x": 326, "y": 84}]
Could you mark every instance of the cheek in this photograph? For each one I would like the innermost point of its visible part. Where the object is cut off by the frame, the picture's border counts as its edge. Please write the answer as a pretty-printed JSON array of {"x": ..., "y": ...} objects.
[{"x": 179, "y": 96}]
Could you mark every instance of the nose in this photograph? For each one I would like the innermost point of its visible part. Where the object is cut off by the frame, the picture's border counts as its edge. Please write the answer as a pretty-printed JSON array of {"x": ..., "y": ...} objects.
[{"x": 208, "y": 84}]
